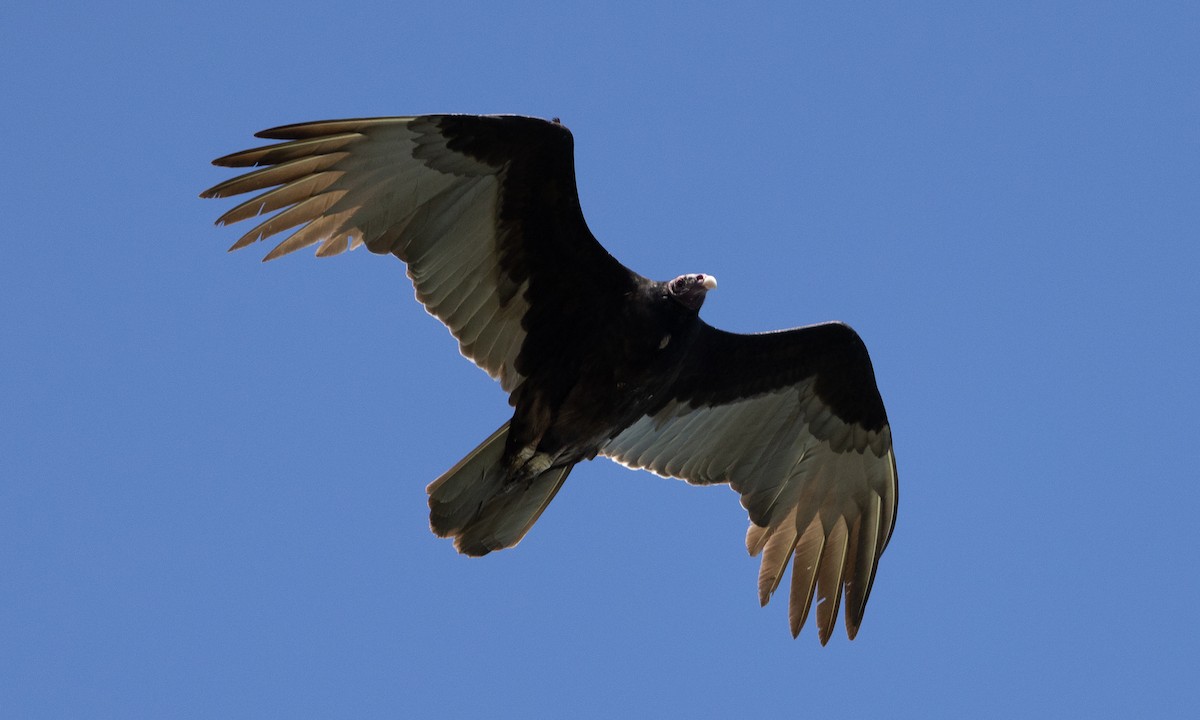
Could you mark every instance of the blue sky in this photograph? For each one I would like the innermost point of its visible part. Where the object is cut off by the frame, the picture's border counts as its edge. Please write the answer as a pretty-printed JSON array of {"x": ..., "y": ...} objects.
[{"x": 212, "y": 470}]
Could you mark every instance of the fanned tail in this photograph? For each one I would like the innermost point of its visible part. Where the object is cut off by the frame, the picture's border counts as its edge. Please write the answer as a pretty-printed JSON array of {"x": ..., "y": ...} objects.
[{"x": 474, "y": 502}]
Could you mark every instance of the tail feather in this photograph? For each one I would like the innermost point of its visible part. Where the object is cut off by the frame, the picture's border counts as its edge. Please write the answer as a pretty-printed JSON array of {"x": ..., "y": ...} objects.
[
  {"x": 506, "y": 517},
  {"x": 457, "y": 496},
  {"x": 474, "y": 503}
]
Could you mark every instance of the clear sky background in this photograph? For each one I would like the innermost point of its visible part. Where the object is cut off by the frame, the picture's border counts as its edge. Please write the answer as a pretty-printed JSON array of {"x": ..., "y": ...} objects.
[{"x": 212, "y": 470}]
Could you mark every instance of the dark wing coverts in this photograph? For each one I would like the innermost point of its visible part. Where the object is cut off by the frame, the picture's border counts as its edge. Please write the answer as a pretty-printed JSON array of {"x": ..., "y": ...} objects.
[{"x": 793, "y": 421}]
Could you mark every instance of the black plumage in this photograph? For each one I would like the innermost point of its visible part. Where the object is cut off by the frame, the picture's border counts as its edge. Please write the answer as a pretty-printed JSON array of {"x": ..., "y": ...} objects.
[{"x": 596, "y": 359}]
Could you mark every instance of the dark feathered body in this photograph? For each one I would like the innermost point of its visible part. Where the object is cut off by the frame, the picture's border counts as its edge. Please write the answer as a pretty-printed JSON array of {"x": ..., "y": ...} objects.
[{"x": 597, "y": 380}]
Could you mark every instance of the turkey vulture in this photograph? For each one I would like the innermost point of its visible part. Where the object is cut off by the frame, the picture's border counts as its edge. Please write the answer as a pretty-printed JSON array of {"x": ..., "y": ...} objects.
[{"x": 597, "y": 360}]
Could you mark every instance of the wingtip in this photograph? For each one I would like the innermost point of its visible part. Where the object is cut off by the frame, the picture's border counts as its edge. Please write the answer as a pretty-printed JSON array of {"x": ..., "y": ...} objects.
[
  {"x": 213, "y": 192},
  {"x": 279, "y": 132},
  {"x": 277, "y": 252},
  {"x": 244, "y": 241}
]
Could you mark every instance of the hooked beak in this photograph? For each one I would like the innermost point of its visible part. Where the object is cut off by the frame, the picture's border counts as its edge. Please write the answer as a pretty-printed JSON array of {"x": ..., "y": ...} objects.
[{"x": 709, "y": 282}]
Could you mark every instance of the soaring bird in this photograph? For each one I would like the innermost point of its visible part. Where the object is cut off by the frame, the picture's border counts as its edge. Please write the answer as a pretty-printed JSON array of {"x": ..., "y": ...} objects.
[{"x": 595, "y": 358}]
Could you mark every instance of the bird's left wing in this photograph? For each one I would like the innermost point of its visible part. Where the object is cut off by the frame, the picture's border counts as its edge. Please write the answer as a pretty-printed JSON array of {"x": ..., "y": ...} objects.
[
  {"x": 793, "y": 421},
  {"x": 482, "y": 208}
]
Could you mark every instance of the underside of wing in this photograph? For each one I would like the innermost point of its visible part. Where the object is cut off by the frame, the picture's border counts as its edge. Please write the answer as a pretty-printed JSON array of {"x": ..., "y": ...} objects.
[
  {"x": 773, "y": 416},
  {"x": 480, "y": 208}
]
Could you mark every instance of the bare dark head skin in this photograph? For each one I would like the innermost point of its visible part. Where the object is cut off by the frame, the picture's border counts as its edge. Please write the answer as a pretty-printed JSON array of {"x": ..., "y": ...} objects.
[{"x": 689, "y": 290}]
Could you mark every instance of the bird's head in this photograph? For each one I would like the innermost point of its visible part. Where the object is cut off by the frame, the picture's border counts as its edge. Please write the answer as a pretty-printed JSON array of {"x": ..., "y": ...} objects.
[{"x": 689, "y": 290}]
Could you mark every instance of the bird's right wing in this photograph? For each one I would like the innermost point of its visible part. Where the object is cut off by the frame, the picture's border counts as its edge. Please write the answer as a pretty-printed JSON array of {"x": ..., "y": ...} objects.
[
  {"x": 483, "y": 209},
  {"x": 794, "y": 423}
]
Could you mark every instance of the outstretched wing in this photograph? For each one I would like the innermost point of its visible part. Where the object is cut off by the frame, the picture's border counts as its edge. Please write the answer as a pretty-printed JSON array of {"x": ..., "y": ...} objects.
[
  {"x": 793, "y": 421},
  {"x": 483, "y": 210}
]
